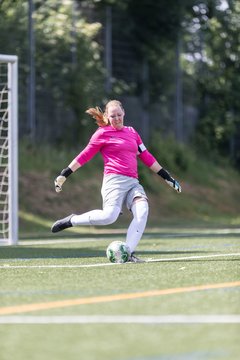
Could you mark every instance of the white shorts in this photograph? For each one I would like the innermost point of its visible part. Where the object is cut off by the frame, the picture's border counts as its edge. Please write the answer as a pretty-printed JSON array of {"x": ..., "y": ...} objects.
[{"x": 119, "y": 190}]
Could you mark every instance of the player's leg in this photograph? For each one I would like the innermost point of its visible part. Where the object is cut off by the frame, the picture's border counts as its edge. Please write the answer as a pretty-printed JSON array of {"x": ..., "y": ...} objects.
[
  {"x": 139, "y": 210},
  {"x": 114, "y": 191},
  {"x": 94, "y": 217},
  {"x": 106, "y": 216}
]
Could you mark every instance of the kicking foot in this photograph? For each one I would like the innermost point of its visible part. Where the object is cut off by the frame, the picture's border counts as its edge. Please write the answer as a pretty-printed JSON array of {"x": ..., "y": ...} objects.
[
  {"x": 134, "y": 259},
  {"x": 62, "y": 224}
]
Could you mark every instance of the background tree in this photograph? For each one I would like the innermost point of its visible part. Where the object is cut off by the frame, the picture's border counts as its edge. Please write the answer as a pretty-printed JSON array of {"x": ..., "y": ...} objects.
[
  {"x": 69, "y": 72},
  {"x": 214, "y": 65},
  {"x": 200, "y": 35}
]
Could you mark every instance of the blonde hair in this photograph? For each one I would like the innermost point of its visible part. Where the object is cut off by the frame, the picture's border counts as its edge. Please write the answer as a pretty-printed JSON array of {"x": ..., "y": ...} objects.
[{"x": 99, "y": 115}]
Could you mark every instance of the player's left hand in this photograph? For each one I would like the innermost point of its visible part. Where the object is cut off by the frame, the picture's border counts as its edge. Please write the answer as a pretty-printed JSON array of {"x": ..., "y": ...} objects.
[{"x": 175, "y": 185}]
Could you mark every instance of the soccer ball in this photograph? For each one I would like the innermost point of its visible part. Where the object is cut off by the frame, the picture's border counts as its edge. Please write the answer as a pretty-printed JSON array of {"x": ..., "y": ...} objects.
[{"x": 118, "y": 252}]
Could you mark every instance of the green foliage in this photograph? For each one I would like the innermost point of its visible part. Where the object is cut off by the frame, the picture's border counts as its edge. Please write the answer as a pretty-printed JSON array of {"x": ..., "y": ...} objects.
[
  {"x": 172, "y": 155},
  {"x": 14, "y": 41},
  {"x": 210, "y": 191},
  {"x": 68, "y": 61},
  {"x": 185, "y": 161},
  {"x": 69, "y": 71},
  {"x": 155, "y": 24},
  {"x": 214, "y": 43},
  {"x": 42, "y": 157},
  {"x": 51, "y": 159}
]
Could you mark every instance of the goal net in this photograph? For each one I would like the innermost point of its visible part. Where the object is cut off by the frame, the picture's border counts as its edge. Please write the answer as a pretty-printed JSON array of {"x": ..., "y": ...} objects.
[{"x": 8, "y": 149}]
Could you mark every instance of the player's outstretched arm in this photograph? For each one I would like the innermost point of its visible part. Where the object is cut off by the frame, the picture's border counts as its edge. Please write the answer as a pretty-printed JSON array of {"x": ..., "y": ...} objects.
[
  {"x": 62, "y": 177},
  {"x": 156, "y": 167},
  {"x": 169, "y": 180}
]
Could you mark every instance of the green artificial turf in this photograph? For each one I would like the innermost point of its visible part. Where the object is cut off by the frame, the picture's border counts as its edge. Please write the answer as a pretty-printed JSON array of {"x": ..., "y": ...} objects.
[{"x": 190, "y": 261}]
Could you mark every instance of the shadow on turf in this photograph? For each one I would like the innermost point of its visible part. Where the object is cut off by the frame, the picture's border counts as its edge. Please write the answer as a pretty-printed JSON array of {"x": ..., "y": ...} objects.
[{"x": 59, "y": 253}]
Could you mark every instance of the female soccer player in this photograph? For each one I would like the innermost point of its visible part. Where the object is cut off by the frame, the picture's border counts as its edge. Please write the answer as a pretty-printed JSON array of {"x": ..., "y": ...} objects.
[{"x": 120, "y": 146}]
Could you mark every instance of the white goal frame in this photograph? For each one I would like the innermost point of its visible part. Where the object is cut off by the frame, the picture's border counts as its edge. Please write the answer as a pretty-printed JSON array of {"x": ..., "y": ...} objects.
[{"x": 9, "y": 150}]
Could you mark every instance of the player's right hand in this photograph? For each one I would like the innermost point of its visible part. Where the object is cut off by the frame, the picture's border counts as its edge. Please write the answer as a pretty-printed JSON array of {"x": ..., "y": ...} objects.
[{"x": 58, "y": 182}]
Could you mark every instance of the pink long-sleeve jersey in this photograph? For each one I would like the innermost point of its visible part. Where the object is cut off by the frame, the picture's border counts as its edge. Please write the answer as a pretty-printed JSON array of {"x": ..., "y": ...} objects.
[{"x": 119, "y": 149}]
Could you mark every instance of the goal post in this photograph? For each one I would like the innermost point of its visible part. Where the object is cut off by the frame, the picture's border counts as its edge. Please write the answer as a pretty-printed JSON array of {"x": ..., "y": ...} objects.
[{"x": 8, "y": 149}]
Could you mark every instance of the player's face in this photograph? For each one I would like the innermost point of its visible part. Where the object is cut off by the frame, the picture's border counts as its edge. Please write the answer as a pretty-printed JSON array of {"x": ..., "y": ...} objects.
[{"x": 115, "y": 116}]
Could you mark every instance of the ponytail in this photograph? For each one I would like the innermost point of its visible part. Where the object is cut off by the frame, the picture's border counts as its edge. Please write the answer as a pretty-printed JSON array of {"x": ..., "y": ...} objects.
[{"x": 98, "y": 115}]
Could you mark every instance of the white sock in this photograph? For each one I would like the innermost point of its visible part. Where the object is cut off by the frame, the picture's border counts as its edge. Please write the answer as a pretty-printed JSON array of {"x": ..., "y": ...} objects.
[
  {"x": 97, "y": 217},
  {"x": 138, "y": 224}
]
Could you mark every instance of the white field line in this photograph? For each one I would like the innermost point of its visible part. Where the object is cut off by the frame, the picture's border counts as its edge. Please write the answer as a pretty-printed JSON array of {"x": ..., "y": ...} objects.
[
  {"x": 194, "y": 257},
  {"x": 61, "y": 266},
  {"x": 122, "y": 319}
]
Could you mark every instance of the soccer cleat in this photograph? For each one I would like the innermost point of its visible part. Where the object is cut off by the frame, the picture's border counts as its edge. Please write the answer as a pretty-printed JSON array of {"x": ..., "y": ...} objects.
[
  {"x": 62, "y": 224},
  {"x": 134, "y": 259}
]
